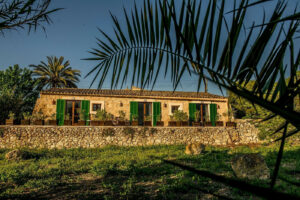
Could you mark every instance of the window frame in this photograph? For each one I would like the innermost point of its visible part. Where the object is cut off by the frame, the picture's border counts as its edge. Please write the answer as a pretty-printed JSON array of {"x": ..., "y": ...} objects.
[{"x": 175, "y": 104}]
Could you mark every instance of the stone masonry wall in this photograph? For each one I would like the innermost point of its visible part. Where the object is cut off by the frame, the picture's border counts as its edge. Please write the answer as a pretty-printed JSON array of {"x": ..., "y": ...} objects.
[
  {"x": 92, "y": 137},
  {"x": 47, "y": 104}
]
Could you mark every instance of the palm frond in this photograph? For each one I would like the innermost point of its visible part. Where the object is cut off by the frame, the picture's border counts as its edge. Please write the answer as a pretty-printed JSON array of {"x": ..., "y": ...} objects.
[{"x": 162, "y": 36}]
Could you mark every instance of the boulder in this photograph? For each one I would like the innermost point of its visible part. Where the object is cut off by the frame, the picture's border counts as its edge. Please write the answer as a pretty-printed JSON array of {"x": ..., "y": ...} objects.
[
  {"x": 194, "y": 149},
  {"x": 14, "y": 155},
  {"x": 251, "y": 166}
]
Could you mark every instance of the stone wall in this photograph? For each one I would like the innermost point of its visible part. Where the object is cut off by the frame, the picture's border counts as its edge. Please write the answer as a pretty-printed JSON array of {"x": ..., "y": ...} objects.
[{"x": 91, "y": 137}]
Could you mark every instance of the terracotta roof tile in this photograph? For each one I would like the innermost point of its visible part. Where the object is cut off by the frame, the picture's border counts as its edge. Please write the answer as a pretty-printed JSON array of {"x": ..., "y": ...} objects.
[{"x": 129, "y": 93}]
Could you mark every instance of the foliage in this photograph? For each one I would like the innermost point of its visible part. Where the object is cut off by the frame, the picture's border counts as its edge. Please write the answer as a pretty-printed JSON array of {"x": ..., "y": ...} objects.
[
  {"x": 11, "y": 115},
  {"x": 101, "y": 115},
  {"x": 56, "y": 73},
  {"x": 135, "y": 117},
  {"x": 171, "y": 117},
  {"x": 179, "y": 115},
  {"x": 27, "y": 116},
  {"x": 175, "y": 37},
  {"x": 109, "y": 116},
  {"x": 126, "y": 173},
  {"x": 158, "y": 118},
  {"x": 53, "y": 116},
  {"x": 197, "y": 115},
  {"x": 39, "y": 115},
  {"x": 82, "y": 115},
  {"x": 190, "y": 49},
  {"x": 148, "y": 118},
  {"x": 122, "y": 115},
  {"x": 247, "y": 110},
  {"x": 18, "y": 92},
  {"x": 19, "y": 14},
  {"x": 67, "y": 117}
]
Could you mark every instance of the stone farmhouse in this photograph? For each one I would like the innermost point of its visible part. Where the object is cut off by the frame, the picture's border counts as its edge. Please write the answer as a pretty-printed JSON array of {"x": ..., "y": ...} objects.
[{"x": 69, "y": 101}]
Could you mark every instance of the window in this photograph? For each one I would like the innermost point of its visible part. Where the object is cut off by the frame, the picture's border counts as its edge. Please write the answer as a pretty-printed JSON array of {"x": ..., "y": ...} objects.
[
  {"x": 96, "y": 106},
  {"x": 174, "y": 108}
]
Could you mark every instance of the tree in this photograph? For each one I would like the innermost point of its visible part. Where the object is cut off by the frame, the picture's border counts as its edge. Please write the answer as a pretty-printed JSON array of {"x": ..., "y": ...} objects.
[
  {"x": 162, "y": 35},
  {"x": 56, "y": 73},
  {"x": 18, "y": 92},
  {"x": 19, "y": 14}
]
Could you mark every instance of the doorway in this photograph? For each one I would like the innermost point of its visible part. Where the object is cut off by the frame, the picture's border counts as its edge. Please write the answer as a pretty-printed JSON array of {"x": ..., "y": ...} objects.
[
  {"x": 72, "y": 111},
  {"x": 144, "y": 110}
]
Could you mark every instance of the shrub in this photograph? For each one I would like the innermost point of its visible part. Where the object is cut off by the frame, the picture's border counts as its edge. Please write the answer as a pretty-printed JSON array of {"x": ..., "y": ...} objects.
[
  {"x": 27, "y": 115},
  {"x": 148, "y": 118},
  {"x": 101, "y": 115},
  {"x": 179, "y": 115},
  {"x": 109, "y": 116},
  {"x": 135, "y": 117},
  {"x": 122, "y": 115},
  {"x": 11, "y": 115}
]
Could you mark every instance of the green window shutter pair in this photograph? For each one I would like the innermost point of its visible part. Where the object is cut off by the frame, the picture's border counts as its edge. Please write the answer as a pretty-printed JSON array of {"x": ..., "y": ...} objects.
[
  {"x": 192, "y": 110},
  {"x": 85, "y": 105},
  {"x": 60, "y": 111},
  {"x": 156, "y": 112},
  {"x": 213, "y": 114},
  {"x": 133, "y": 109}
]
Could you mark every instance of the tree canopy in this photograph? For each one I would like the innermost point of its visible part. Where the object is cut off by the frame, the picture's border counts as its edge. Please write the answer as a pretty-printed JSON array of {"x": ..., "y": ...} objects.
[
  {"x": 18, "y": 92},
  {"x": 56, "y": 73}
]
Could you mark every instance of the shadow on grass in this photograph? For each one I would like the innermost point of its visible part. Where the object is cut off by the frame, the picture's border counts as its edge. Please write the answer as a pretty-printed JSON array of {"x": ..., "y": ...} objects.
[{"x": 151, "y": 179}]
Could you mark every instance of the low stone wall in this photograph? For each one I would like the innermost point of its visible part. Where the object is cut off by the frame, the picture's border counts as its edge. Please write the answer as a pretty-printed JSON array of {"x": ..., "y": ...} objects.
[{"x": 91, "y": 137}]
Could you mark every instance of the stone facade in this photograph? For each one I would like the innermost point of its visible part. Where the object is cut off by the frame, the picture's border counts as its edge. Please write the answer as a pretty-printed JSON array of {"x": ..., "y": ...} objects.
[
  {"x": 113, "y": 104},
  {"x": 92, "y": 137}
]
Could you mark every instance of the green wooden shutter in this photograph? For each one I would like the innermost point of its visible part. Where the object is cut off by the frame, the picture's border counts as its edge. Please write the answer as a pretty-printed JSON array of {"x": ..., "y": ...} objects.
[
  {"x": 213, "y": 114},
  {"x": 60, "y": 111},
  {"x": 192, "y": 110},
  {"x": 156, "y": 111},
  {"x": 85, "y": 105},
  {"x": 133, "y": 109}
]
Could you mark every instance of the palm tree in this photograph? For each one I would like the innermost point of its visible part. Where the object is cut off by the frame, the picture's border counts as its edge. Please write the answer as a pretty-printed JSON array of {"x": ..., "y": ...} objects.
[
  {"x": 220, "y": 48},
  {"x": 56, "y": 73}
]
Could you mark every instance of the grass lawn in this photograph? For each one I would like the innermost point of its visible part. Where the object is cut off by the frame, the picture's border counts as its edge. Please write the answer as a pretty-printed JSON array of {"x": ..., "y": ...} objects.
[{"x": 133, "y": 173}]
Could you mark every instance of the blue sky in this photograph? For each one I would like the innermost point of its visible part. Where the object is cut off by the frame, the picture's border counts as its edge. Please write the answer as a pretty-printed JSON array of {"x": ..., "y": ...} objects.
[{"x": 73, "y": 33}]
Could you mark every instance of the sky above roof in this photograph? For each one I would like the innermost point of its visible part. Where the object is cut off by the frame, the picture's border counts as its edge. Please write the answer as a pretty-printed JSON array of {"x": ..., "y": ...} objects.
[{"x": 74, "y": 31}]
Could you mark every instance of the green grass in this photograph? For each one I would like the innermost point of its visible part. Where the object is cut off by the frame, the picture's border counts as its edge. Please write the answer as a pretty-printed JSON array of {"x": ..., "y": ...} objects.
[{"x": 133, "y": 173}]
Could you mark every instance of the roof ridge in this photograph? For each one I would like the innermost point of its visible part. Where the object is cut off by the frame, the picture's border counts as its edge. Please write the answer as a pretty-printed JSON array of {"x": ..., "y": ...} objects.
[{"x": 128, "y": 92}]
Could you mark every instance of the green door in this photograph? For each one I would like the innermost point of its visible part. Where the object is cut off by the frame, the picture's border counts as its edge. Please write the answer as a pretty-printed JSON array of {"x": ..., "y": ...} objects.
[
  {"x": 85, "y": 105},
  {"x": 192, "y": 110},
  {"x": 156, "y": 112},
  {"x": 60, "y": 111},
  {"x": 133, "y": 109},
  {"x": 213, "y": 114}
]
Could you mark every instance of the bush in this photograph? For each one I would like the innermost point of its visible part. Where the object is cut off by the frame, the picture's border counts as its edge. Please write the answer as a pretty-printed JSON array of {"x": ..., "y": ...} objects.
[{"x": 179, "y": 115}]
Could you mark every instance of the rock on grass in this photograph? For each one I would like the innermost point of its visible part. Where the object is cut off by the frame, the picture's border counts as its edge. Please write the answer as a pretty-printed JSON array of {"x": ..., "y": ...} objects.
[
  {"x": 14, "y": 155},
  {"x": 251, "y": 166}
]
